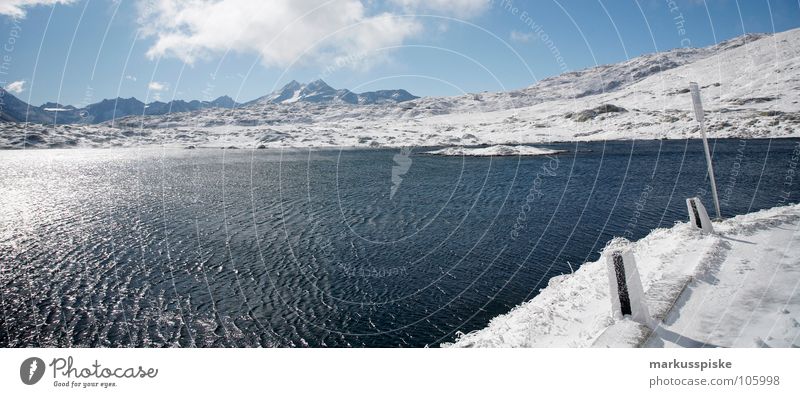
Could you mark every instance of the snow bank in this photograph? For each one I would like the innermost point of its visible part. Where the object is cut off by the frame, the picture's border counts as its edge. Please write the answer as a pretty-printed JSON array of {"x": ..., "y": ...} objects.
[
  {"x": 735, "y": 288},
  {"x": 496, "y": 150}
]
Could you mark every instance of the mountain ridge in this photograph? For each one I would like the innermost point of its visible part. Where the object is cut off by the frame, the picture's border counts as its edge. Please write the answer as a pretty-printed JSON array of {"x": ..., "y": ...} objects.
[
  {"x": 13, "y": 109},
  {"x": 316, "y": 91}
]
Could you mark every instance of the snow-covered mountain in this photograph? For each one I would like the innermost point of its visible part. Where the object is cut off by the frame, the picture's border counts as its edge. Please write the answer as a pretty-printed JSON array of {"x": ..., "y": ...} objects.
[
  {"x": 318, "y": 91},
  {"x": 750, "y": 87}
]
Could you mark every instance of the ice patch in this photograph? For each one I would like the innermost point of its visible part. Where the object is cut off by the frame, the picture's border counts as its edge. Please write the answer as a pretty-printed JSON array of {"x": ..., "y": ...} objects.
[{"x": 496, "y": 150}]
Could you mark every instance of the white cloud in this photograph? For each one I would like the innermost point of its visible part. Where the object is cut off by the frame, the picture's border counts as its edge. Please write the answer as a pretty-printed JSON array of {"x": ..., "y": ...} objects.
[
  {"x": 281, "y": 31},
  {"x": 129, "y": 77},
  {"x": 16, "y": 87},
  {"x": 521, "y": 37},
  {"x": 158, "y": 86},
  {"x": 457, "y": 8},
  {"x": 16, "y": 8}
]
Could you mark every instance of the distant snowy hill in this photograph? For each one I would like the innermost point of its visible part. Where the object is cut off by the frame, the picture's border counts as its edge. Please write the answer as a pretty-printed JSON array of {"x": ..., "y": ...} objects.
[
  {"x": 16, "y": 110},
  {"x": 318, "y": 91},
  {"x": 109, "y": 109},
  {"x": 750, "y": 88}
]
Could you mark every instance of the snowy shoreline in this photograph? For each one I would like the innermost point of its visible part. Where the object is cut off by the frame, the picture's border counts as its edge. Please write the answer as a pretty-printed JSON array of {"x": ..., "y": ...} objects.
[
  {"x": 275, "y": 148},
  {"x": 736, "y": 288}
]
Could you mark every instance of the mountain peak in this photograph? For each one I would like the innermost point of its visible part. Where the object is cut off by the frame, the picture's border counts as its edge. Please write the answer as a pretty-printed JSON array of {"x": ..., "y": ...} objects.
[
  {"x": 224, "y": 102},
  {"x": 55, "y": 105},
  {"x": 318, "y": 86},
  {"x": 318, "y": 83},
  {"x": 294, "y": 84}
]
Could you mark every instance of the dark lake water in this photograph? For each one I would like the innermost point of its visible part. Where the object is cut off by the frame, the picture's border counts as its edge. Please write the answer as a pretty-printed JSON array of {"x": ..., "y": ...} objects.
[{"x": 152, "y": 247}]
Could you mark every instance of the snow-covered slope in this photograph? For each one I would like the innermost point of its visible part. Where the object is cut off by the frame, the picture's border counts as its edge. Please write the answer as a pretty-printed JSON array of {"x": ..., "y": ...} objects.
[
  {"x": 587, "y": 82},
  {"x": 738, "y": 287},
  {"x": 751, "y": 88}
]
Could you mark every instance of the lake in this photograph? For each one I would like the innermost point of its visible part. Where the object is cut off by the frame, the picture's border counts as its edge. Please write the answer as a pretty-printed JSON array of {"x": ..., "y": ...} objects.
[{"x": 384, "y": 247}]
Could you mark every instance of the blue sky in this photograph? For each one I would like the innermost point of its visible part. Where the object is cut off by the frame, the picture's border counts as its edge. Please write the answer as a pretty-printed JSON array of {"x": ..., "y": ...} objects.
[{"x": 81, "y": 51}]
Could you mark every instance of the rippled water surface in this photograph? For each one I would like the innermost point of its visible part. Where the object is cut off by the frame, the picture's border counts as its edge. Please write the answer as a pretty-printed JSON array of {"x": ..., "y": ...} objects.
[{"x": 152, "y": 247}]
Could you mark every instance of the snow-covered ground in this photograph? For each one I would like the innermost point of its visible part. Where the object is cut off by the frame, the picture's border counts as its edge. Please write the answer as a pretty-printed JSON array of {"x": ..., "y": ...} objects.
[
  {"x": 739, "y": 287},
  {"x": 493, "y": 151},
  {"x": 750, "y": 86}
]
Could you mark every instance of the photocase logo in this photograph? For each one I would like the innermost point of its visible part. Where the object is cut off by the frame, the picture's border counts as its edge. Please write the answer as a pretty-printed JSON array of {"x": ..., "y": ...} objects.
[
  {"x": 31, "y": 370},
  {"x": 402, "y": 164}
]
